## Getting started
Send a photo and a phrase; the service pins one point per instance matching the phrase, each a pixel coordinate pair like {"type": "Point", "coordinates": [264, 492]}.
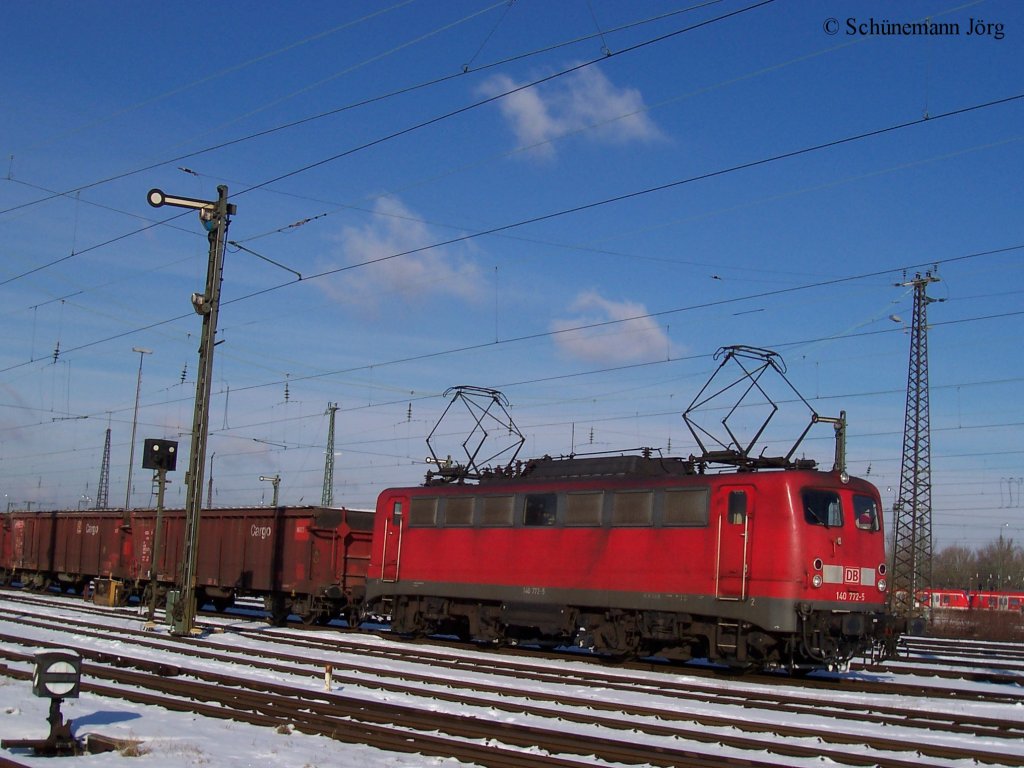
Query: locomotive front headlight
{"type": "Point", "coordinates": [882, 569]}
{"type": "Point", "coordinates": [817, 564]}
{"type": "Point", "coordinates": [816, 580]}
{"type": "Point", "coordinates": [881, 585]}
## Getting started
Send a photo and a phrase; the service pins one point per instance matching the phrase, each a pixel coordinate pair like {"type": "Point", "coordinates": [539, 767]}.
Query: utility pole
{"type": "Point", "coordinates": [912, 513]}
{"type": "Point", "coordinates": [125, 522]}
{"type": "Point", "coordinates": [327, 499]}
{"type": "Point", "coordinates": [215, 216]}
{"type": "Point", "coordinates": [103, 487]}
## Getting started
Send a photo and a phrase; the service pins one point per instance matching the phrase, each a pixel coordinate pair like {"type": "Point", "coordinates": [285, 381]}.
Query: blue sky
{"type": "Point", "coordinates": [577, 203]}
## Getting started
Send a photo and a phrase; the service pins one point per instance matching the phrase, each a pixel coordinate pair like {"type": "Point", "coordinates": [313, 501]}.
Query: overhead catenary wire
{"type": "Point", "coordinates": [348, 107]}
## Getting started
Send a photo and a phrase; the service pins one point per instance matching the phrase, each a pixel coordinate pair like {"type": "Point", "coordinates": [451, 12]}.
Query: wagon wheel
{"type": "Point", "coordinates": [221, 604]}
{"type": "Point", "coordinates": [161, 596]}
{"type": "Point", "coordinates": [278, 611]}
{"type": "Point", "coordinates": [40, 583]}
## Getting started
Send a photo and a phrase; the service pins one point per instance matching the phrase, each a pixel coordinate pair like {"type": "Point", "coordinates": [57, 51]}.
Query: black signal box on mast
{"type": "Point", "coordinates": [160, 454]}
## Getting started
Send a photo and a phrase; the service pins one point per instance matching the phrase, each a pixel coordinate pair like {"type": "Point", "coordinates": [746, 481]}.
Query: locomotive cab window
{"type": "Point", "coordinates": [737, 507]}
{"type": "Point", "coordinates": [865, 512]}
{"type": "Point", "coordinates": [539, 509]}
{"type": "Point", "coordinates": [822, 508]}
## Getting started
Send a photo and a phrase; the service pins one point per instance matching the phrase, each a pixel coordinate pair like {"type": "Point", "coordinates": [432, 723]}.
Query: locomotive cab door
{"type": "Point", "coordinates": [391, 548]}
{"type": "Point", "coordinates": [733, 506]}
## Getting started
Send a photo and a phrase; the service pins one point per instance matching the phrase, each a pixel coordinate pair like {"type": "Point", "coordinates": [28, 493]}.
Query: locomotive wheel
{"type": "Point", "coordinates": [739, 668]}
{"type": "Point", "coordinates": [318, 618]}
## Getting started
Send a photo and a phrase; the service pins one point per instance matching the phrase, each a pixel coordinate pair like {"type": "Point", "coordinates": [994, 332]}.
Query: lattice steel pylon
{"type": "Point", "coordinates": [103, 487]}
{"type": "Point", "coordinates": [327, 499]}
{"type": "Point", "coordinates": [912, 513]}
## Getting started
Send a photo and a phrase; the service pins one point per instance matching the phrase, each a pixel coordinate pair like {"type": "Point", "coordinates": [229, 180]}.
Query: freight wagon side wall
{"type": "Point", "coordinates": [34, 541]}
{"type": "Point", "coordinates": [91, 544]}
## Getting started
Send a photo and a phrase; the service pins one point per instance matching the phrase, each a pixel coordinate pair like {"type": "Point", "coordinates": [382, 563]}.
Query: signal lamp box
{"type": "Point", "coordinates": [57, 675]}
{"type": "Point", "coordinates": [160, 454]}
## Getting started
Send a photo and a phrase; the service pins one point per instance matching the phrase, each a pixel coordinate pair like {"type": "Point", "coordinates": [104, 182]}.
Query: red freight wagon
{"type": "Point", "coordinates": [28, 550]}
{"type": "Point", "coordinates": [310, 561]}
{"type": "Point", "coordinates": [89, 545]}
{"type": "Point", "coordinates": [635, 555]}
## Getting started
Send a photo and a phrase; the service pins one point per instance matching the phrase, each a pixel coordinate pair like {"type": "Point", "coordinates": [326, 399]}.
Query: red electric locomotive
{"type": "Point", "coordinates": [774, 564]}
{"type": "Point", "coordinates": [638, 556]}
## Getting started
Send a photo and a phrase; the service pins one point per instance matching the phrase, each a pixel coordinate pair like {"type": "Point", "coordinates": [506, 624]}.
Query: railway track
{"type": "Point", "coordinates": [743, 717]}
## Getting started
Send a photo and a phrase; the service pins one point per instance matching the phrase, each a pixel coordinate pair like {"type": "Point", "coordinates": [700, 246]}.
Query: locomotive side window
{"type": "Point", "coordinates": [865, 512]}
{"type": "Point", "coordinates": [737, 507]}
{"type": "Point", "coordinates": [686, 506]}
{"type": "Point", "coordinates": [584, 508]}
{"type": "Point", "coordinates": [822, 508]}
{"type": "Point", "coordinates": [497, 511]}
{"type": "Point", "coordinates": [632, 508]}
{"type": "Point", "coordinates": [458, 511]}
{"type": "Point", "coordinates": [423, 512]}
{"type": "Point", "coordinates": [540, 509]}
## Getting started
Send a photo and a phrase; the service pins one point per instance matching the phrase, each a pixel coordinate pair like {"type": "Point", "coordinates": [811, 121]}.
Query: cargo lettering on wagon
{"type": "Point", "coordinates": [260, 531]}
{"type": "Point", "coordinates": [91, 529]}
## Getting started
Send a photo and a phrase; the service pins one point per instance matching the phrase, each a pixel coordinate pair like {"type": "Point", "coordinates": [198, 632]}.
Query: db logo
{"type": "Point", "coordinates": [851, 575]}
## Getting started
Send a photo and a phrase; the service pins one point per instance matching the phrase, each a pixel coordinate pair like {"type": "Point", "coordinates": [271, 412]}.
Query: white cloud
{"type": "Point", "coordinates": [443, 271]}
{"type": "Point", "coordinates": [635, 338]}
{"type": "Point", "coordinates": [585, 101]}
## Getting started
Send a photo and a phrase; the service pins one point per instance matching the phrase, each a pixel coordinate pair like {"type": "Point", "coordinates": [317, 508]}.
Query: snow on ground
{"type": "Point", "coordinates": [180, 739]}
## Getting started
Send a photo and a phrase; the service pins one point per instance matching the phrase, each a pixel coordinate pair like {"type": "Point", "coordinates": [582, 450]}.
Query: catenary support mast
{"type": "Point", "coordinates": [103, 487]}
{"type": "Point", "coordinates": [327, 499]}
{"type": "Point", "coordinates": [912, 514]}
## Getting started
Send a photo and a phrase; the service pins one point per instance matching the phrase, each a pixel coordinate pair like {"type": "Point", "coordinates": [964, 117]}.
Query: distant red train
{"type": "Point", "coordinates": [306, 561]}
{"type": "Point", "coordinates": [638, 555]}
{"type": "Point", "coordinates": [973, 600]}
